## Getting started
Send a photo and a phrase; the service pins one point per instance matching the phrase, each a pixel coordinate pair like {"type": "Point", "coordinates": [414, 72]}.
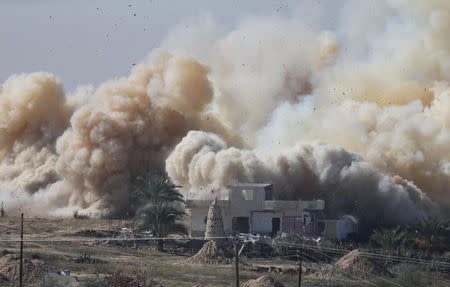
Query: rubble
{"type": "Point", "coordinates": [354, 266]}
{"type": "Point", "coordinates": [263, 281]}
{"type": "Point", "coordinates": [33, 270]}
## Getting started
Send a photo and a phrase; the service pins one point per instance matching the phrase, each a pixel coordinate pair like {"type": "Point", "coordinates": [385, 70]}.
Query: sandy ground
{"type": "Point", "coordinates": [92, 261]}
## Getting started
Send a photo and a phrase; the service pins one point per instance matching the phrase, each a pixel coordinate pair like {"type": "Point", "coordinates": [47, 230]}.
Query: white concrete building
{"type": "Point", "coordinates": [250, 208]}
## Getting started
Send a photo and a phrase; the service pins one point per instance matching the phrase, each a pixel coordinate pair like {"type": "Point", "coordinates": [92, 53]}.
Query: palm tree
{"type": "Point", "coordinates": [389, 238]}
{"type": "Point", "coordinates": [160, 213]}
{"type": "Point", "coordinates": [157, 189]}
{"type": "Point", "coordinates": [429, 235]}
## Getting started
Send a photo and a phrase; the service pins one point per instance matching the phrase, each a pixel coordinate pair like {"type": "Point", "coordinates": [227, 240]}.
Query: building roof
{"type": "Point", "coordinates": [246, 184]}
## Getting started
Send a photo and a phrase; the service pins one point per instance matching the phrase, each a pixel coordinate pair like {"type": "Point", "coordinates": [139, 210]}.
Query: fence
{"type": "Point", "coordinates": [103, 252]}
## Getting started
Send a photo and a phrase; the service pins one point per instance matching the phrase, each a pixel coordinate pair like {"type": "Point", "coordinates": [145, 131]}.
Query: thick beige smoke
{"type": "Point", "coordinates": [359, 116]}
{"type": "Point", "coordinates": [34, 113]}
{"type": "Point", "coordinates": [307, 171]}
{"type": "Point", "coordinates": [127, 128]}
{"type": "Point", "coordinates": [391, 105]}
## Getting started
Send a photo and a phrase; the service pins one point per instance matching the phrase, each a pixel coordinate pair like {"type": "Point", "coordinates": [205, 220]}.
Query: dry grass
{"type": "Point", "coordinates": [165, 268]}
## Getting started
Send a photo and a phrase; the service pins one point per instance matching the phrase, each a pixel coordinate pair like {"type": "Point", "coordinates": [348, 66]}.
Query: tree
{"type": "Point", "coordinates": [160, 213]}
{"type": "Point", "coordinates": [389, 238]}
{"type": "Point", "coordinates": [429, 235]}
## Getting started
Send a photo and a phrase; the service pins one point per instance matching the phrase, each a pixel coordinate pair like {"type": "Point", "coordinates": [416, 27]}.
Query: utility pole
{"type": "Point", "coordinates": [299, 255]}
{"type": "Point", "coordinates": [236, 263]}
{"type": "Point", "coordinates": [21, 251]}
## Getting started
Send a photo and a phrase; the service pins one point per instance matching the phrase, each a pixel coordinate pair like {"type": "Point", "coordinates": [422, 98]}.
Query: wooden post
{"type": "Point", "coordinates": [236, 263]}
{"type": "Point", "coordinates": [299, 252]}
{"type": "Point", "coordinates": [21, 251]}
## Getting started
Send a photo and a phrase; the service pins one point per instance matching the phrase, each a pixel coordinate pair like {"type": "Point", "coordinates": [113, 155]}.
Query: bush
{"type": "Point", "coordinates": [417, 275]}
{"type": "Point", "coordinates": [119, 280]}
{"type": "Point", "coordinates": [76, 215]}
{"type": "Point", "coordinates": [2, 211]}
{"type": "Point", "coordinates": [95, 283]}
{"type": "Point", "coordinates": [86, 258]}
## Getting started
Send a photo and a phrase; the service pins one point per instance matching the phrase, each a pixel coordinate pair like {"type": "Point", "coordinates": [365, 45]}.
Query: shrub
{"type": "Point", "coordinates": [118, 280]}
{"type": "Point", "coordinates": [76, 215]}
{"type": "Point", "coordinates": [2, 211]}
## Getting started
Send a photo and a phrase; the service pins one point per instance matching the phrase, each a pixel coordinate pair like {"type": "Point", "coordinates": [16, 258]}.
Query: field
{"type": "Point", "coordinates": [92, 261]}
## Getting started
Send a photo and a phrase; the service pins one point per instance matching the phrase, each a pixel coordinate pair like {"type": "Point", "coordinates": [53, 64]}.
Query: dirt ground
{"type": "Point", "coordinates": [92, 261]}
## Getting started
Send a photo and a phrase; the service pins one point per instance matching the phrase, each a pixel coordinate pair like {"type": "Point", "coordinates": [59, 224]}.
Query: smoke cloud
{"type": "Point", "coordinates": [356, 114]}
{"type": "Point", "coordinates": [306, 170]}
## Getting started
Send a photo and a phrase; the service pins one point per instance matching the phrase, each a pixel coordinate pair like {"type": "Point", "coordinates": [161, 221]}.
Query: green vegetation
{"type": "Point", "coordinates": [429, 235]}
{"type": "Point", "coordinates": [2, 211]}
{"type": "Point", "coordinates": [389, 238]}
{"type": "Point", "coordinates": [425, 236]}
{"type": "Point", "coordinates": [160, 213]}
{"type": "Point", "coordinates": [76, 215]}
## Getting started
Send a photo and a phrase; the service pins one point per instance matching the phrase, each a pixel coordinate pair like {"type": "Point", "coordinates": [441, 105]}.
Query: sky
{"type": "Point", "coordinates": [89, 41]}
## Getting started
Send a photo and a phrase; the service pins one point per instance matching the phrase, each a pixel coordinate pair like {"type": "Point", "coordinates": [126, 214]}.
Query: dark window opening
{"type": "Point", "coordinates": [320, 227]}
{"type": "Point", "coordinates": [240, 224]}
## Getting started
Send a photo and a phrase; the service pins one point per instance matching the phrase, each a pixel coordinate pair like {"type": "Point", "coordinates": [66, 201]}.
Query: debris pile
{"type": "Point", "coordinates": [280, 269]}
{"type": "Point", "coordinates": [263, 281]}
{"type": "Point", "coordinates": [95, 233]}
{"type": "Point", "coordinates": [354, 266]}
{"type": "Point", "coordinates": [33, 270]}
{"type": "Point", "coordinates": [213, 251]}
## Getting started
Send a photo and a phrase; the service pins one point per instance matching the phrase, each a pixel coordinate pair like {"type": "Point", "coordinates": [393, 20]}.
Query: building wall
{"type": "Point", "coordinates": [261, 221]}
{"type": "Point", "coordinates": [254, 202]}
{"type": "Point", "coordinates": [339, 229]}
{"type": "Point", "coordinates": [296, 224]}
{"type": "Point", "coordinates": [198, 225]}
{"type": "Point", "coordinates": [330, 229]}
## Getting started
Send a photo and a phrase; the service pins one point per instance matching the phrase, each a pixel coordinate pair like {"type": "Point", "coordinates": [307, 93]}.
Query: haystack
{"type": "Point", "coordinates": [355, 264]}
{"type": "Point", "coordinates": [213, 251]}
{"type": "Point", "coordinates": [214, 223]}
{"type": "Point", "coordinates": [263, 281]}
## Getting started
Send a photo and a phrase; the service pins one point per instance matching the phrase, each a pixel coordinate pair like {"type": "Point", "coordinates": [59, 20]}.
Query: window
{"type": "Point", "coordinates": [240, 224]}
{"type": "Point", "coordinates": [248, 194]}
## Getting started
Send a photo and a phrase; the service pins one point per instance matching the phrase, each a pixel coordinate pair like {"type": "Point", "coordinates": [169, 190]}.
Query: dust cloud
{"type": "Point", "coordinates": [358, 115]}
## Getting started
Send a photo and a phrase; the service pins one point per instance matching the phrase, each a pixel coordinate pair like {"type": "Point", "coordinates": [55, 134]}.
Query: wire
{"type": "Point", "coordinates": [342, 271]}
{"type": "Point", "coordinates": [298, 245]}
{"type": "Point", "coordinates": [369, 255]}
{"type": "Point", "coordinates": [334, 259]}
{"type": "Point", "coordinates": [84, 239]}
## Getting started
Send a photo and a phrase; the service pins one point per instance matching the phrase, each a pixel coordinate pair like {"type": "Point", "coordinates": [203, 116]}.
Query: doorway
{"type": "Point", "coordinates": [276, 222]}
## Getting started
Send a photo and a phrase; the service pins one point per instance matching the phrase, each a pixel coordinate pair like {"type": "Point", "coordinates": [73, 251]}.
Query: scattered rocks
{"type": "Point", "coordinates": [263, 281]}
{"type": "Point", "coordinates": [95, 233]}
{"type": "Point", "coordinates": [55, 279]}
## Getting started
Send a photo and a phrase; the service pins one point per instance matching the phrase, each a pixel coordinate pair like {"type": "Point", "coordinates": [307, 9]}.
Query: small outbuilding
{"type": "Point", "coordinates": [338, 229]}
